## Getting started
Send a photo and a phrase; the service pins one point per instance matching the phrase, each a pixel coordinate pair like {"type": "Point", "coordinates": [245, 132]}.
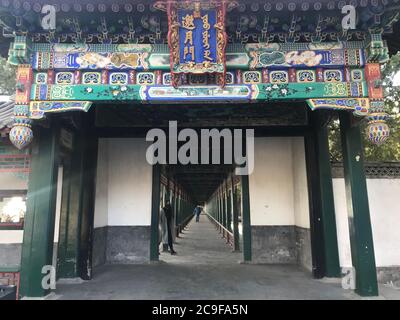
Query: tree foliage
{"type": "Point", "coordinates": [390, 150]}
{"type": "Point", "coordinates": [7, 77]}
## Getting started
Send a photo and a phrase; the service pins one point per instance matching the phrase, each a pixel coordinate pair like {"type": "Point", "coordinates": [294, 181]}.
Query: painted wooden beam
{"type": "Point", "coordinates": [157, 57]}
{"type": "Point", "coordinates": [80, 93]}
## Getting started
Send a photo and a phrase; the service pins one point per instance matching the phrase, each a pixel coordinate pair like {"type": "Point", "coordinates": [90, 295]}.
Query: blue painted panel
{"type": "Point", "coordinates": [198, 36]}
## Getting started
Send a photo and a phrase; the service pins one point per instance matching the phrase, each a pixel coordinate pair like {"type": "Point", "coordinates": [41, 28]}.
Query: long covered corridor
{"type": "Point", "coordinates": [201, 244]}
{"type": "Point", "coordinates": [205, 268]}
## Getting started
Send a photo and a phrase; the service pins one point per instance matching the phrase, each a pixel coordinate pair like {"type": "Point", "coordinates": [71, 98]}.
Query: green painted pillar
{"type": "Point", "coordinates": [90, 152]}
{"type": "Point", "coordinates": [178, 209]}
{"type": "Point", "coordinates": [247, 255]}
{"type": "Point", "coordinates": [362, 245]}
{"type": "Point", "coordinates": [235, 211]}
{"type": "Point", "coordinates": [178, 214]}
{"type": "Point", "coordinates": [175, 208]}
{"type": "Point", "coordinates": [37, 247]}
{"type": "Point", "coordinates": [211, 208]}
{"type": "Point", "coordinates": [155, 209]}
{"type": "Point", "coordinates": [218, 204]}
{"type": "Point", "coordinates": [221, 211]}
{"type": "Point", "coordinates": [184, 212]}
{"type": "Point", "coordinates": [215, 208]}
{"type": "Point", "coordinates": [331, 251]}
{"type": "Point", "coordinates": [173, 204]}
{"type": "Point", "coordinates": [228, 208]}
{"type": "Point", "coordinates": [223, 205]}
{"type": "Point", "coordinates": [314, 199]}
{"type": "Point", "coordinates": [226, 211]}
{"type": "Point", "coordinates": [167, 191]}
{"type": "Point", "coordinates": [71, 211]}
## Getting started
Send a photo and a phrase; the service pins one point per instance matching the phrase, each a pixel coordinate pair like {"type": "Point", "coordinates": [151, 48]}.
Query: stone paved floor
{"type": "Point", "coordinates": [205, 268]}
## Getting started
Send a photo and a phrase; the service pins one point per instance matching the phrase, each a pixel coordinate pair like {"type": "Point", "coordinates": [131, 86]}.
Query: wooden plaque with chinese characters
{"type": "Point", "coordinates": [197, 39]}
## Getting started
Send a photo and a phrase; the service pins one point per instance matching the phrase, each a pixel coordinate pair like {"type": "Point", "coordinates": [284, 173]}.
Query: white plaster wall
{"type": "Point", "coordinates": [16, 236]}
{"type": "Point", "coordinates": [11, 236]}
{"type": "Point", "coordinates": [385, 220]}
{"type": "Point", "coordinates": [120, 200]}
{"type": "Point", "coordinates": [101, 200]}
{"type": "Point", "coordinates": [129, 183]}
{"type": "Point", "coordinates": [271, 182]}
{"type": "Point", "coordinates": [300, 187]}
{"type": "Point", "coordinates": [342, 226]}
{"type": "Point", "coordinates": [58, 203]}
{"type": "Point", "coordinates": [10, 181]}
{"type": "Point", "coordinates": [384, 206]}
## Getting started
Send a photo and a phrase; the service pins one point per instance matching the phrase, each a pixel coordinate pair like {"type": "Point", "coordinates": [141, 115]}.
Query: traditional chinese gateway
{"type": "Point", "coordinates": [89, 90]}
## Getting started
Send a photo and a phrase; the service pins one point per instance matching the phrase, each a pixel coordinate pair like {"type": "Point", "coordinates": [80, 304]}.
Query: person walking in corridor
{"type": "Point", "coordinates": [169, 215]}
{"type": "Point", "coordinates": [197, 212]}
{"type": "Point", "coordinates": [163, 231]}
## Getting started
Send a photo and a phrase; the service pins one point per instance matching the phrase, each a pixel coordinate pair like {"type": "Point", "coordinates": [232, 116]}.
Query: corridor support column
{"type": "Point", "coordinates": [228, 207]}
{"type": "Point", "coordinates": [37, 247]}
{"type": "Point", "coordinates": [219, 210]}
{"type": "Point", "coordinates": [155, 210]}
{"type": "Point", "coordinates": [223, 204]}
{"type": "Point", "coordinates": [330, 243]}
{"type": "Point", "coordinates": [247, 254]}
{"type": "Point", "coordinates": [324, 245]}
{"type": "Point", "coordinates": [236, 246]}
{"type": "Point", "coordinates": [361, 241]}
{"type": "Point", "coordinates": [70, 211]}
{"type": "Point", "coordinates": [90, 152]}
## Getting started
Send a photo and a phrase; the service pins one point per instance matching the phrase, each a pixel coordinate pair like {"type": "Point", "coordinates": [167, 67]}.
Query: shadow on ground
{"type": "Point", "coordinates": [205, 268]}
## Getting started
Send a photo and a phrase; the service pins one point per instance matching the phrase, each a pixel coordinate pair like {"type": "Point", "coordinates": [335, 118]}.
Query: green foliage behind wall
{"type": "Point", "coordinates": [7, 77]}
{"type": "Point", "coordinates": [390, 150]}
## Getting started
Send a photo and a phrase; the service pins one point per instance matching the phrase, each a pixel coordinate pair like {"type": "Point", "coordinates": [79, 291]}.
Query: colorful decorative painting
{"type": "Point", "coordinates": [359, 106]}
{"type": "Point", "coordinates": [148, 93]}
{"type": "Point", "coordinates": [158, 57]}
{"type": "Point", "coordinates": [38, 109]}
{"type": "Point", "coordinates": [66, 77]}
{"type": "Point", "coordinates": [91, 60]}
{"type": "Point", "coordinates": [270, 56]}
{"type": "Point", "coordinates": [198, 93]}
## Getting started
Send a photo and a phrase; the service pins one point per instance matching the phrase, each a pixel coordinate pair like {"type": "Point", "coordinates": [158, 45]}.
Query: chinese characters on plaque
{"type": "Point", "coordinates": [197, 37]}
